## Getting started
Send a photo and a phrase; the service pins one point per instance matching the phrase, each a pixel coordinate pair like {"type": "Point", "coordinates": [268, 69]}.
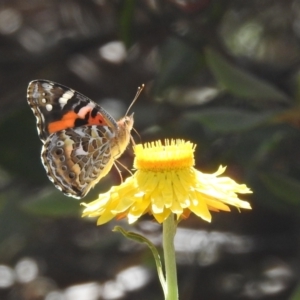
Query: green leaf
{"type": "Point", "coordinates": [126, 19]}
{"type": "Point", "coordinates": [241, 83]}
{"type": "Point", "coordinates": [20, 149]}
{"type": "Point", "coordinates": [296, 293]}
{"type": "Point", "coordinates": [141, 239]}
{"type": "Point", "coordinates": [178, 63]}
{"type": "Point", "coordinates": [229, 120]}
{"type": "Point", "coordinates": [284, 187]}
{"type": "Point", "coordinates": [52, 204]}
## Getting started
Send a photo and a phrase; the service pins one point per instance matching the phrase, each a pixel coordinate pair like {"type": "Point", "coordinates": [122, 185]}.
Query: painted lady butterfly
{"type": "Point", "coordinates": [81, 140]}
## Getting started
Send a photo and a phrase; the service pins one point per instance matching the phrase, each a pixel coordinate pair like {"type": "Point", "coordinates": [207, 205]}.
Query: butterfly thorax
{"type": "Point", "coordinates": [122, 139]}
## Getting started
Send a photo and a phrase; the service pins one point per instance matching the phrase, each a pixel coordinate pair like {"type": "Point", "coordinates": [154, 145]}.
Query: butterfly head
{"type": "Point", "coordinates": [126, 125]}
{"type": "Point", "coordinates": [128, 122]}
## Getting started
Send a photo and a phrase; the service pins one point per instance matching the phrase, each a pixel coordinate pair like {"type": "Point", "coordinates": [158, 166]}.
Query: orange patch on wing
{"type": "Point", "coordinates": [97, 120]}
{"type": "Point", "coordinates": [67, 121]}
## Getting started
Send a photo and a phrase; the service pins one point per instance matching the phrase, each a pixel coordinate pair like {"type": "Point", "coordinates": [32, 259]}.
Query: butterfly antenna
{"type": "Point", "coordinates": [139, 90]}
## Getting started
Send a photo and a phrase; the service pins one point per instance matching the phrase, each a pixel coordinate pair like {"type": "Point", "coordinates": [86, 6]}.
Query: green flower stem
{"type": "Point", "coordinates": [169, 230]}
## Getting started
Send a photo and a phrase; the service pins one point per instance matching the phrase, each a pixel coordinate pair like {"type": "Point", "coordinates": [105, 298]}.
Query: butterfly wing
{"type": "Point", "coordinates": [57, 107]}
{"type": "Point", "coordinates": [81, 140]}
{"type": "Point", "coordinates": [76, 159]}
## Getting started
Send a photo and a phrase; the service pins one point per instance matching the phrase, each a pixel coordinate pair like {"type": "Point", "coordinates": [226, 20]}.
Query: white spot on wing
{"type": "Point", "coordinates": [49, 107]}
{"type": "Point", "coordinates": [80, 151]}
{"type": "Point", "coordinates": [84, 110]}
{"type": "Point", "coordinates": [47, 86]}
{"type": "Point", "coordinates": [35, 92]}
{"type": "Point", "coordinates": [63, 100]}
{"type": "Point", "coordinates": [79, 131]}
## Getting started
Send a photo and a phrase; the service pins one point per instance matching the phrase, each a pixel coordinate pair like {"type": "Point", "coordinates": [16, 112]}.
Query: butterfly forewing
{"type": "Point", "coordinates": [58, 107]}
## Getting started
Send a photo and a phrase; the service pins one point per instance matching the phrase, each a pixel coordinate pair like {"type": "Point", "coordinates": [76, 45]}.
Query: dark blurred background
{"type": "Point", "coordinates": [223, 74]}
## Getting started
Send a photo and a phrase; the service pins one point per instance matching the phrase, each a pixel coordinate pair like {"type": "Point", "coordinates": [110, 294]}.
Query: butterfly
{"type": "Point", "coordinates": [81, 140]}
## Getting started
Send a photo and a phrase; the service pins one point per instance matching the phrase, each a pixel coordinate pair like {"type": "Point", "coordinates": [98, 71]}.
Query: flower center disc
{"type": "Point", "coordinates": [155, 157]}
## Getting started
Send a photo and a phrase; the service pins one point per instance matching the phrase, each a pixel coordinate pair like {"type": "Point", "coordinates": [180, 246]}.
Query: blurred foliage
{"type": "Point", "coordinates": [223, 74]}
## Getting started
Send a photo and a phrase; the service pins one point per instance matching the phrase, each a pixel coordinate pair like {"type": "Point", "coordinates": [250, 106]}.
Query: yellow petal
{"type": "Point", "coordinates": [199, 207]}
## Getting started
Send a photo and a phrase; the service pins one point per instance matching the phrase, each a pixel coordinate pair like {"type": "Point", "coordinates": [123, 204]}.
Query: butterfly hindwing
{"type": "Point", "coordinates": [76, 159]}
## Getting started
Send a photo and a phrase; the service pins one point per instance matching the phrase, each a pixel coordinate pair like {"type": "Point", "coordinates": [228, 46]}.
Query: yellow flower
{"type": "Point", "coordinates": [166, 182]}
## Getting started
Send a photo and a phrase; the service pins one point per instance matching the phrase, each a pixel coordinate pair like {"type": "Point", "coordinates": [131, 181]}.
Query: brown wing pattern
{"type": "Point", "coordinates": [76, 159]}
